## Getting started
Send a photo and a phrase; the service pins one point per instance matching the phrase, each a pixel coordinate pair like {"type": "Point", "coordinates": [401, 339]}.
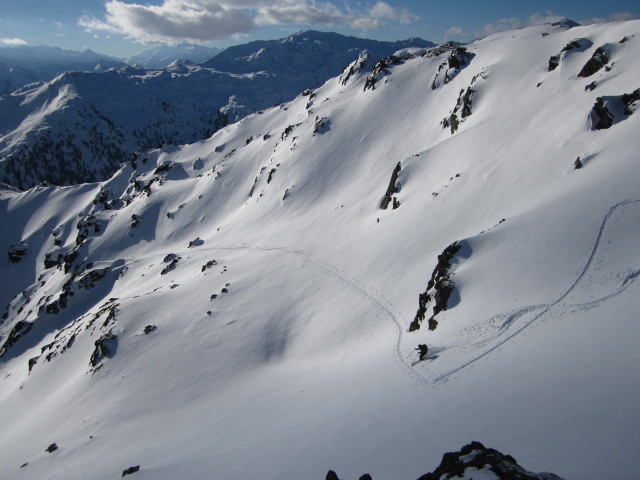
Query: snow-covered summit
{"type": "Point", "coordinates": [250, 305]}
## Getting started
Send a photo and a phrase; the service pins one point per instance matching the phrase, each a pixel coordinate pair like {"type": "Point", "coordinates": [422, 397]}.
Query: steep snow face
{"type": "Point", "coordinates": [241, 305]}
{"type": "Point", "coordinates": [119, 112]}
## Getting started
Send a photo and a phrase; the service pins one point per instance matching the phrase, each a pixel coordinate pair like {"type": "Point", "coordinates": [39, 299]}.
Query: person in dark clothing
{"type": "Point", "coordinates": [423, 349]}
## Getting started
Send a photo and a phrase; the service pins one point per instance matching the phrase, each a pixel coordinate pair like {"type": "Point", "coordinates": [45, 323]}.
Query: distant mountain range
{"type": "Point", "coordinates": [80, 126]}
{"type": "Point", "coordinates": [165, 55]}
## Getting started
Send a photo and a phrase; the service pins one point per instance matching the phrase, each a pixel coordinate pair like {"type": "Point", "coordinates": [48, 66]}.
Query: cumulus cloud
{"type": "Point", "coordinates": [203, 21]}
{"type": "Point", "coordinates": [382, 10]}
{"type": "Point", "coordinates": [301, 14]}
{"type": "Point", "coordinates": [512, 23]}
{"type": "Point", "coordinates": [616, 17]}
{"type": "Point", "coordinates": [454, 32]}
{"type": "Point", "coordinates": [172, 22]}
{"type": "Point", "coordinates": [13, 41]}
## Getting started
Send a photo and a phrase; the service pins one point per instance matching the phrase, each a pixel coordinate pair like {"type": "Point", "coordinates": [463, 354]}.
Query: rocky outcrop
{"type": "Point", "coordinates": [601, 117]}
{"type": "Point", "coordinates": [394, 187]}
{"type": "Point", "coordinates": [459, 58]}
{"type": "Point", "coordinates": [439, 288]}
{"type": "Point", "coordinates": [380, 70]}
{"type": "Point", "coordinates": [20, 329]}
{"type": "Point", "coordinates": [105, 347]}
{"type": "Point", "coordinates": [598, 60]}
{"type": "Point", "coordinates": [475, 460]}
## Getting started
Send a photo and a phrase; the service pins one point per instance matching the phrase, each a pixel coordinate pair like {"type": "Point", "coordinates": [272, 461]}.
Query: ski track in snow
{"type": "Point", "coordinates": [515, 314]}
{"type": "Point", "coordinates": [509, 317]}
{"type": "Point", "coordinates": [352, 284]}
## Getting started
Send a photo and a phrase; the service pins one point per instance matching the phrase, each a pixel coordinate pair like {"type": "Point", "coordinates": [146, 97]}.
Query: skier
{"type": "Point", "coordinates": [423, 349]}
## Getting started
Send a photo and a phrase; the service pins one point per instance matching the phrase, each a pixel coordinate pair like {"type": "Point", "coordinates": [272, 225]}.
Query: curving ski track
{"type": "Point", "coordinates": [546, 308]}
{"type": "Point", "coordinates": [511, 316]}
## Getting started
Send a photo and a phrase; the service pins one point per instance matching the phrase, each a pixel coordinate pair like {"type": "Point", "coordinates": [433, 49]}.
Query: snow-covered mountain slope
{"type": "Point", "coordinates": [164, 55]}
{"type": "Point", "coordinates": [80, 126]}
{"type": "Point", "coordinates": [241, 307]}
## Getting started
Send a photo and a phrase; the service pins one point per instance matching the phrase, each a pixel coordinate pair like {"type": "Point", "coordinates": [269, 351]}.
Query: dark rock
{"type": "Point", "coordinates": [566, 22]}
{"type": "Point", "coordinates": [629, 99]}
{"type": "Point", "coordinates": [51, 448]}
{"type": "Point", "coordinates": [19, 330]}
{"type": "Point", "coordinates": [321, 125]}
{"type": "Point", "coordinates": [441, 285]}
{"type": "Point", "coordinates": [380, 69]}
{"type": "Point", "coordinates": [209, 264]}
{"type": "Point", "coordinates": [590, 87]}
{"type": "Point", "coordinates": [130, 470]}
{"type": "Point", "coordinates": [331, 475]}
{"type": "Point", "coordinates": [474, 457]}
{"type": "Point", "coordinates": [172, 259]}
{"type": "Point", "coordinates": [196, 242]}
{"type": "Point", "coordinates": [601, 117]}
{"type": "Point", "coordinates": [135, 220]}
{"type": "Point", "coordinates": [17, 251]}
{"type": "Point", "coordinates": [88, 280]}
{"type": "Point", "coordinates": [163, 167]}
{"type": "Point", "coordinates": [577, 164]}
{"type": "Point", "coordinates": [366, 476]}
{"type": "Point", "coordinates": [392, 188]}
{"type": "Point", "coordinates": [554, 61]}
{"type": "Point", "coordinates": [53, 259]}
{"type": "Point", "coordinates": [105, 346]}
{"type": "Point", "coordinates": [572, 45]}
{"type": "Point", "coordinates": [595, 63]}
{"type": "Point", "coordinates": [32, 362]}
{"type": "Point", "coordinates": [148, 329]}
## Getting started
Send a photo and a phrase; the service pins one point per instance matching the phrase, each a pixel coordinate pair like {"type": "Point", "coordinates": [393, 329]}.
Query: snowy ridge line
{"type": "Point", "coordinates": [520, 312]}
{"type": "Point", "coordinates": [350, 283]}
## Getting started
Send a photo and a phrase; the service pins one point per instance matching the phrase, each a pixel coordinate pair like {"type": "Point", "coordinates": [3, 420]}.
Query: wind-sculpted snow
{"type": "Point", "coordinates": [209, 299]}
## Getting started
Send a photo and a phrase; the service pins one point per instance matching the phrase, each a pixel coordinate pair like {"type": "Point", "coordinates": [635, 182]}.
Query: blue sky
{"type": "Point", "coordinates": [125, 27]}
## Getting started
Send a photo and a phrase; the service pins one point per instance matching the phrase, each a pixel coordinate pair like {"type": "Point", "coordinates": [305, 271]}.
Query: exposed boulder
{"type": "Point", "coordinates": [393, 187]}
{"type": "Point", "coordinates": [601, 117]}
{"type": "Point", "coordinates": [598, 60]}
{"type": "Point", "coordinates": [171, 260]}
{"type": "Point", "coordinates": [17, 251]}
{"type": "Point", "coordinates": [51, 448]}
{"type": "Point", "coordinates": [131, 470]}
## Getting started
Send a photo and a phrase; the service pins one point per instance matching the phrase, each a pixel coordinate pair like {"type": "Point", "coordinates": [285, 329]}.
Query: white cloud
{"type": "Point", "coordinates": [504, 24]}
{"type": "Point", "coordinates": [203, 21]}
{"type": "Point", "coordinates": [383, 10]}
{"type": "Point", "coordinates": [616, 17]}
{"type": "Point", "coordinates": [13, 41]}
{"type": "Point", "coordinates": [499, 26]}
{"type": "Point", "coordinates": [455, 32]}
{"type": "Point", "coordinates": [301, 14]}
{"type": "Point", "coordinates": [172, 22]}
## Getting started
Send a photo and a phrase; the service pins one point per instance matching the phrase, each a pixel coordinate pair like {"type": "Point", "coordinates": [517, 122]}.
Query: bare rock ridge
{"type": "Point", "coordinates": [439, 288]}
{"type": "Point", "coordinates": [474, 461]}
